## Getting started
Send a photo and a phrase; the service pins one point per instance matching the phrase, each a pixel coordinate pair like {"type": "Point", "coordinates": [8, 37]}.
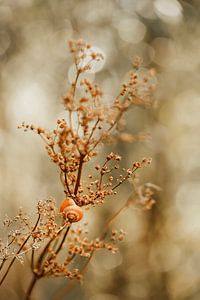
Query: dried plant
{"type": "Point", "coordinates": [51, 242]}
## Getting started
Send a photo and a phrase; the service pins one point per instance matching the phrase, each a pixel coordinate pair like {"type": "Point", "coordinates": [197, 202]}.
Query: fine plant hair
{"type": "Point", "coordinates": [58, 233]}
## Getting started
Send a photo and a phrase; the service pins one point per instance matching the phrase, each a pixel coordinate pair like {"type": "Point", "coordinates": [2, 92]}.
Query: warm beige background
{"type": "Point", "coordinates": [160, 258]}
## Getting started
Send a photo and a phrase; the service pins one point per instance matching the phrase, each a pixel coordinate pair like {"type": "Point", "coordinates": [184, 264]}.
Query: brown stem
{"type": "Point", "coordinates": [66, 181]}
{"type": "Point", "coordinates": [102, 174]}
{"type": "Point", "coordinates": [63, 240]}
{"type": "Point", "coordinates": [22, 246]}
{"type": "Point", "coordinates": [73, 94]}
{"type": "Point", "coordinates": [31, 286]}
{"type": "Point", "coordinates": [60, 294]}
{"type": "Point", "coordinates": [75, 82]}
{"type": "Point", "coordinates": [58, 249]}
{"type": "Point", "coordinates": [109, 221]}
{"type": "Point", "coordinates": [79, 174]}
{"type": "Point", "coordinates": [32, 259]}
{"type": "Point", "coordinates": [45, 250]}
{"type": "Point", "coordinates": [3, 262]}
{"type": "Point", "coordinates": [118, 117]}
{"type": "Point", "coordinates": [93, 130]}
{"type": "Point", "coordinates": [124, 179]}
{"type": "Point", "coordinates": [40, 259]}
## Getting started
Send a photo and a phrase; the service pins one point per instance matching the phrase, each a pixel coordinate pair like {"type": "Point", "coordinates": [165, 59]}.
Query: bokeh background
{"type": "Point", "coordinates": [160, 257]}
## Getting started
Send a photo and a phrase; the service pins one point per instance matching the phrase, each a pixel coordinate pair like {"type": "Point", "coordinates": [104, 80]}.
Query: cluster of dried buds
{"type": "Point", "coordinates": [71, 146]}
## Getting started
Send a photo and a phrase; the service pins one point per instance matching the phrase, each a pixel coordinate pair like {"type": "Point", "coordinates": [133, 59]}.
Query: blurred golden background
{"type": "Point", "coordinates": [160, 257]}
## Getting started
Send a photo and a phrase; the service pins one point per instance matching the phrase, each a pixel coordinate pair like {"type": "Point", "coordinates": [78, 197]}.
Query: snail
{"type": "Point", "coordinates": [65, 203]}
{"type": "Point", "coordinates": [71, 211]}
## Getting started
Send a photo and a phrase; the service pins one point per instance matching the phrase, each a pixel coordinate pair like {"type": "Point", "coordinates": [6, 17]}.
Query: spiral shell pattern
{"type": "Point", "coordinates": [73, 213]}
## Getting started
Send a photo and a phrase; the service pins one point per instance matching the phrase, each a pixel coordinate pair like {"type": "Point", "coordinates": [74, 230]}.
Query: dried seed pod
{"type": "Point", "coordinates": [73, 213]}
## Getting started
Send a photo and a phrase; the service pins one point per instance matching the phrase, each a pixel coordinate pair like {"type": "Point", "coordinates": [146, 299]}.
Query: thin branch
{"type": "Point", "coordinates": [102, 174]}
{"type": "Point", "coordinates": [63, 240]}
{"type": "Point", "coordinates": [108, 130]}
{"type": "Point", "coordinates": [65, 178]}
{"type": "Point", "coordinates": [93, 130]}
{"type": "Point", "coordinates": [79, 174]}
{"type": "Point", "coordinates": [31, 286]}
{"type": "Point", "coordinates": [66, 183]}
{"type": "Point", "coordinates": [42, 255]}
{"type": "Point", "coordinates": [73, 94]}
{"type": "Point", "coordinates": [32, 259]}
{"type": "Point", "coordinates": [124, 179]}
{"type": "Point", "coordinates": [112, 218]}
{"type": "Point", "coordinates": [22, 246]}
{"type": "Point", "coordinates": [3, 262]}
{"type": "Point", "coordinates": [58, 249]}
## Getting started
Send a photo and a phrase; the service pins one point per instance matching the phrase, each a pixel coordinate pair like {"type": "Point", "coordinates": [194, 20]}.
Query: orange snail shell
{"type": "Point", "coordinates": [71, 211]}
{"type": "Point", "coordinates": [65, 203]}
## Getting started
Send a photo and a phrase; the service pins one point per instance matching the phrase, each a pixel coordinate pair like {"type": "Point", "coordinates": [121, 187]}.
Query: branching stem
{"type": "Point", "coordinates": [20, 249]}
